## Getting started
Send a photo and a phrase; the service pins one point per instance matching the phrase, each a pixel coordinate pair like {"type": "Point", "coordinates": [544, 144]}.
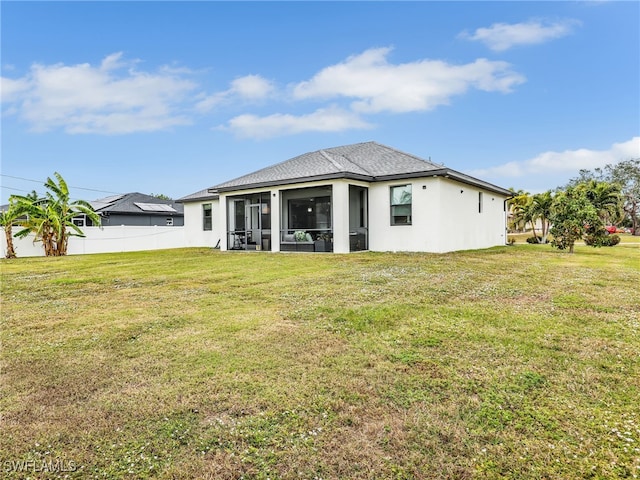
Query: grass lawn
{"type": "Point", "coordinates": [516, 362]}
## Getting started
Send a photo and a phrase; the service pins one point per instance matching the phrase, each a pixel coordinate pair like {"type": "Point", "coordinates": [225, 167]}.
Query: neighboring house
{"type": "Point", "coordinates": [365, 196]}
{"type": "Point", "coordinates": [129, 222]}
{"type": "Point", "coordinates": [136, 209]}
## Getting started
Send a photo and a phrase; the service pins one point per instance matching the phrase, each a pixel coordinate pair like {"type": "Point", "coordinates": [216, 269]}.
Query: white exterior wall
{"type": "Point", "coordinates": [194, 234]}
{"type": "Point", "coordinates": [275, 220]}
{"type": "Point", "coordinates": [124, 238]}
{"type": "Point", "coordinates": [340, 216]}
{"type": "Point", "coordinates": [443, 219]}
{"type": "Point", "coordinates": [421, 235]}
{"type": "Point", "coordinates": [462, 226]}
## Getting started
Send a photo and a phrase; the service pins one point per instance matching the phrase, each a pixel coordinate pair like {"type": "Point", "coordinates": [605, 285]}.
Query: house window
{"type": "Point", "coordinates": [169, 222]}
{"type": "Point", "coordinates": [79, 221]}
{"type": "Point", "coordinates": [310, 213]}
{"type": "Point", "coordinates": [401, 205]}
{"type": "Point", "coordinates": [479, 202]}
{"type": "Point", "coordinates": [207, 223]}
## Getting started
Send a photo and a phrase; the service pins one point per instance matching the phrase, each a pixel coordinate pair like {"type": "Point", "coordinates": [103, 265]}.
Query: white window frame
{"type": "Point", "coordinates": [409, 217]}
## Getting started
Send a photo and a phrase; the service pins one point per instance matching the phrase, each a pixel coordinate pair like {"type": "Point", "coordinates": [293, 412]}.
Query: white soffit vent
{"type": "Point", "coordinates": [154, 207]}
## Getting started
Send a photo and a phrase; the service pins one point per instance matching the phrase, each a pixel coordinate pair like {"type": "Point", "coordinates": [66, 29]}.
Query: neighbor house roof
{"type": "Point", "coordinates": [137, 204]}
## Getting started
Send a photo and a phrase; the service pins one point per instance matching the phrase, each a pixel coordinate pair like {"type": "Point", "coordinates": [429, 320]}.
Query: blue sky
{"type": "Point", "coordinates": [174, 97]}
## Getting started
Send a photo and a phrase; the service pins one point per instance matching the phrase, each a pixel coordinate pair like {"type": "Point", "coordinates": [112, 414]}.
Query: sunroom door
{"type": "Point", "coordinates": [253, 222]}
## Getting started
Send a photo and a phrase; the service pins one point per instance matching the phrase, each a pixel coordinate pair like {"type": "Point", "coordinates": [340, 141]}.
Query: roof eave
{"type": "Point", "coordinates": [476, 182]}
{"type": "Point", "coordinates": [442, 172]}
{"type": "Point", "coordinates": [447, 173]}
{"type": "Point", "coordinates": [197, 199]}
{"type": "Point", "coordinates": [293, 181]}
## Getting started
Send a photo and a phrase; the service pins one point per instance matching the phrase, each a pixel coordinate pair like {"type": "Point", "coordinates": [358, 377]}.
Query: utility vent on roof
{"type": "Point", "coordinates": [154, 207]}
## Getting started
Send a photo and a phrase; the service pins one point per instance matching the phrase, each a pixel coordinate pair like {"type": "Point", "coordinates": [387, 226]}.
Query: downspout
{"type": "Point", "coordinates": [506, 212]}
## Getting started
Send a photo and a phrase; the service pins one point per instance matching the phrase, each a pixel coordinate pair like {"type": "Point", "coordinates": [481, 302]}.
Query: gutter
{"type": "Point", "coordinates": [441, 172]}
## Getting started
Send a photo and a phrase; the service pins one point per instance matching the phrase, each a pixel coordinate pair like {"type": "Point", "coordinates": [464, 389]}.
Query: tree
{"type": "Point", "coordinates": [7, 220]}
{"type": "Point", "coordinates": [525, 214]}
{"type": "Point", "coordinates": [161, 196]}
{"type": "Point", "coordinates": [516, 203]}
{"type": "Point", "coordinates": [606, 199]}
{"type": "Point", "coordinates": [627, 175]}
{"type": "Point", "coordinates": [540, 207]}
{"type": "Point", "coordinates": [527, 209]}
{"type": "Point", "coordinates": [571, 215]}
{"type": "Point", "coordinates": [50, 218]}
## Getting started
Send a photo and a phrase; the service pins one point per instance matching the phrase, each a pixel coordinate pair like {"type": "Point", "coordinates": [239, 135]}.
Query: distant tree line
{"type": "Point", "coordinates": [582, 208]}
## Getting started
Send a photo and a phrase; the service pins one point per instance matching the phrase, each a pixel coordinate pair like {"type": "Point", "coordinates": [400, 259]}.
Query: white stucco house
{"type": "Point", "coordinates": [365, 196]}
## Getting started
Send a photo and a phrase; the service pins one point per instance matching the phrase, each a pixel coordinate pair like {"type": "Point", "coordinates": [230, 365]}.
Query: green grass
{"type": "Point", "coordinates": [514, 362]}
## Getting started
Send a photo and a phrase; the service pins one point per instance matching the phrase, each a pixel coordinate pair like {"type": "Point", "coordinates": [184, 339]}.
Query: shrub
{"type": "Point", "coordinates": [534, 240]}
{"type": "Point", "coordinates": [601, 241]}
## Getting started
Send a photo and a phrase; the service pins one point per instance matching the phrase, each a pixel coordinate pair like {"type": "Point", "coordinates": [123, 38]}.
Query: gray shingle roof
{"type": "Point", "coordinates": [369, 161]}
{"type": "Point", "coordinates": [365, 161]}
{"type": "Point", "coordinates": [201, 195]}
{"type": "Point", "coordinates": [126, 204]}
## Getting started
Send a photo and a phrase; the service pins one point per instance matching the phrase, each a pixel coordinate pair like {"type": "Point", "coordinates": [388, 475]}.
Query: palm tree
{"type": "Point", "coordinates": [524, 214]}
{"type": "Point", "coordinates": [8, 218]}
{"type": "Point", "coordinates": [50, 218]}
{"type": "Point", "coordinates": [606, 198]}
{"type": "Point", "coordinates": [541, 209]}
{"type": "Point", "coordinates": [518, 201]}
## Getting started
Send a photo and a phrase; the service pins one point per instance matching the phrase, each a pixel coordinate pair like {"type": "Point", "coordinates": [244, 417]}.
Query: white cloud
{"type": "Point", "coordinates": [10, 89]}
{"type": "Point", "coordinates": [503, 36]}
{"type": "Point", "coordinates": [332, 119]}
{"type": "Point", "coordinates": [249, 87]}
{"type": "Point", "coordinates": [105, 99]}
{"type": "Point", "coordinates": [569, 161]}
{"type": "Point", "coordinates": [252, 86]}
{"type": "Point", "coordinates": [377, 85]}
{"type": "Point", "coordinates": [116, 96]}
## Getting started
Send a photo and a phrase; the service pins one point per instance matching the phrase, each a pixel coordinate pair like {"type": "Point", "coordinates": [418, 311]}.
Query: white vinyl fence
{"type": "Point", "coordinates": [106, 240]}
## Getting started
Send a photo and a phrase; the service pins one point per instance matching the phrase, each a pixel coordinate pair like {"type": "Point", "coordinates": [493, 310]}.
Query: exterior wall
{"type": "Point", "coordinates": [115, 219]}
{"type": "Point", "coordinates": [107, 240]}
{"type": "Point", "coordinates": [340, 211]}
{"type": "Point", "coordinates": [462, 226]}
{"type": "Point", "coordinates": [195, 236]}
{"type": "Point", "coordinates": [422, 235]}
{"type": "Point", "coordinates": [443, 218]}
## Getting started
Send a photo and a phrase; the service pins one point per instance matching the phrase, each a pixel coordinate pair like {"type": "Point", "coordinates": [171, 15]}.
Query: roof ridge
{"type": "Point", "coordinates": [439, 165]}
{"type": "Point", "coordinates": [332, 160]}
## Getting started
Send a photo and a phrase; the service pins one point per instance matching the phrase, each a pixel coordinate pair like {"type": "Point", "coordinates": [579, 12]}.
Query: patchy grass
{"type": "Point", "coordinates": [515, 362]}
